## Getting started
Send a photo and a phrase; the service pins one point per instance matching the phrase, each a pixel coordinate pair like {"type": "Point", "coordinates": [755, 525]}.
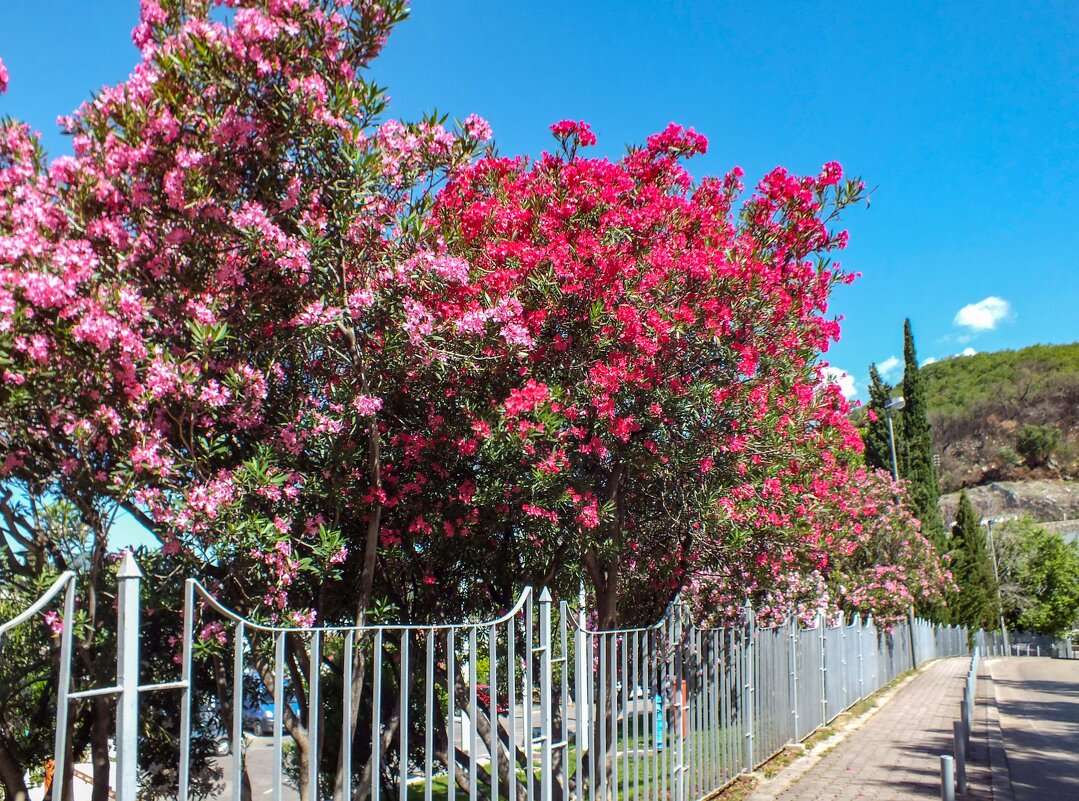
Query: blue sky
{"type": "Point", "coordinates": [965, 120]}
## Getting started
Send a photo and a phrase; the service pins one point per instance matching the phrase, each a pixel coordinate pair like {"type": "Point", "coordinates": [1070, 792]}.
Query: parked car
{"type": "Point", "coordinates": [258, 710]}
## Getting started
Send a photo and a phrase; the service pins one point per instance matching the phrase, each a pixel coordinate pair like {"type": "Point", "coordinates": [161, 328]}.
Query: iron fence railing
{"type": "Point", "coordinates": [1024, 643]}
{"type": "Point", "coordinates": [531, 706]}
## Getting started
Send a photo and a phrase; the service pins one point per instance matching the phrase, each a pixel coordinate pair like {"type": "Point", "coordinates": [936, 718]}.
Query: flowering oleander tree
{"type": "Point", "coordinates": [205, 308]}
{"type": "Point", "coordinates": [656, 405]}
{"type": "Point", "coordinates": [886, 564]}
{"type": "Point", "coordinates": [871, 559]}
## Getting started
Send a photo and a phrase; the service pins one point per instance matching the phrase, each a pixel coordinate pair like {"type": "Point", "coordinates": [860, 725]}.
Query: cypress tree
{"type": "Point", "coordinates": [975, 604]}
{"type": "Point", "coordinates": [917, 454]}
{"type": "Point", "coordinates": [878, 449]}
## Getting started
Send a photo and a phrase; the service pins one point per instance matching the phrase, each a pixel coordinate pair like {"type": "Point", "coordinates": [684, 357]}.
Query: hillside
{"type": "Point", "coordinates": [980, 405]}
{"type": "Point", "coordinates": [1047, 500]}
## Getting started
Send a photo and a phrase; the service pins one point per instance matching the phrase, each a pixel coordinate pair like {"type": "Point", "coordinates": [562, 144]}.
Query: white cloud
{"type": "Point", "coordinates": [983, 315]}
{"type": "Point", "coordinates": [888, 367]}
{"type": "Point", "coordinates": [842, 379]}
{"type": "Point", "coordinates": [930, 360]}
{"type": "Point", "coordinates": [968, 352]}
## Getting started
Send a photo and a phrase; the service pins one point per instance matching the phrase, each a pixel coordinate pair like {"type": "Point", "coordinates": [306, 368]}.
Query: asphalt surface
{"type": "Point", "coordinates": [259, 759]}
{"type": "Point", "coordinates": [1038, 699]}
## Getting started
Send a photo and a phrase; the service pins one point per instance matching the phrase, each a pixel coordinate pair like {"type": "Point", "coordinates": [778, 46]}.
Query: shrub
{"type": "Point", "coordinates": [1009, 457]}
{"type": "Point", "coordinates": [1036, 444]}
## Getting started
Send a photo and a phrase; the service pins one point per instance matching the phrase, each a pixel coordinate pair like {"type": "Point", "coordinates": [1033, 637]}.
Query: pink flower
{"type": "Point", "coordinates": [367, 405]}
{"type": "Point", "coordinates": [567, 129]}
{"type": "Point", "coordinates": [831, 173]}
{"type": "Point", "coordinates": [523, 401]}
{"type": "Point", "coordinates": [3, 77]}
{"type": "Point", "coordinates": [477, 127]}
{"type": "Point", "coordinates": [52, 619]}
{"type": "Point", "coordinates": [213, 631]}
{"type": "Point", "coordinates": [340, 556]}
{"type": "Point", "coordinates": [517, 334]}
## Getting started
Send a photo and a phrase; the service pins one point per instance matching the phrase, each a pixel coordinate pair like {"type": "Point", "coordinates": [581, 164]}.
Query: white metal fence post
{"type": "Point", "coordinates": [947, 777]}
{"type": "Point", "coordinates": [546, 723]}
{"type": "Point", "coordinates": [794, 675]}
{"type": "Point", "coordinates": [185, 699]}
{"type": "Point", "coordinates": [861, 658]}
{"type": "Point", "coordinates": [843, 677]}
{"type": "Point", "coordinates": [678, 707]}
{"type": "Point", "coordinates": [748, 689]}
{"type": "Point", "coordinates": [911, 628]}
{"type": "Point", "coordinates": [127, 679]}
{"type": "Point", "coordinates": [62, 689]}
{"type": "Point", "coordinates": [822, 634]}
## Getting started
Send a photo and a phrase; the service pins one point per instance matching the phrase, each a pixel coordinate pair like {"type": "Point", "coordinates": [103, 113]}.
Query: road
{"type": "Point", "coordinates": [259, 758]}
{"type": "Point", "coordinates": [1038, 700]}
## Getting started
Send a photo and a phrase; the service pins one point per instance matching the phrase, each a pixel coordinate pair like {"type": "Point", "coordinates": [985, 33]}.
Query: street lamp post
{"type": "Point", "coordinates": [897, 404]}
{"type": "Point", "coordinates": [989, 521]}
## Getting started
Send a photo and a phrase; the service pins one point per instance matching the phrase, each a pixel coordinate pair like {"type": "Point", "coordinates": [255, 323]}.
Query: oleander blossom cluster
{"type": "Point", "coordinates": [193, 305]}
{"type": "Point", "coordinates": [878, 564]}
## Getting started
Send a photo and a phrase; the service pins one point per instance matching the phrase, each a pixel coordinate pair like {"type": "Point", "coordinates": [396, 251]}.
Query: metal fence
{"type": "Point", "coordinates": [531, 706]}
{"type": "Point", "coordinates": [1024, 643]}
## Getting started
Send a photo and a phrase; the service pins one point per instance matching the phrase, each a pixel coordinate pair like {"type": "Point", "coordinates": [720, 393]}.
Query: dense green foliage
{"type": "Point", "coordinates": [917, 452]}
{"type": "Point", "coordinates": [975, 603]}
{"type": "Point", "coordinates": [1008, 378]}
{"type": "Point", "coordinates": [1036, 444]}
{"type": "Point", "coordinates": [878, 452]}
{"type": "Point", "coordinates": [980, 405]}
{"type": "Point", "coordinates": [1039, 577]}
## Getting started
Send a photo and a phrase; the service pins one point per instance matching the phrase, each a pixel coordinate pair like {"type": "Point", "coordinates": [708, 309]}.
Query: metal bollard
{"type": "Point", "coordinates": [968, 697]}
{"type": "Point", "coordinates": [947, 778]}
{"type": "Point", "coordinates": [961, 739]}
{"type": "Point", "coordinates": [965, 709]}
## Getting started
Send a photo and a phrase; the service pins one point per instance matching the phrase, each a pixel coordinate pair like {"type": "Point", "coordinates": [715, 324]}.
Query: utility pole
{"type": "Point", "coordinates": [897, 404]}
{"type": "Point", "coordinates": [989, 521]}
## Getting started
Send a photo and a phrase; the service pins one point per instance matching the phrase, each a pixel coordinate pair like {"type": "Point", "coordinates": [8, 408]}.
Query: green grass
{"type": "Point", "coordinates": [439, 784]}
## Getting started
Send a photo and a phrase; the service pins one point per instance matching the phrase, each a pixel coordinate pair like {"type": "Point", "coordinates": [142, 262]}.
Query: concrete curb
{"type": "Point", "coordinates": [1000, 780]}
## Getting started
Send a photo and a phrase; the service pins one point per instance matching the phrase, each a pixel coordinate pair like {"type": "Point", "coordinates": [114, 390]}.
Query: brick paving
{"type": "Point", "coordinates": [895, 755]}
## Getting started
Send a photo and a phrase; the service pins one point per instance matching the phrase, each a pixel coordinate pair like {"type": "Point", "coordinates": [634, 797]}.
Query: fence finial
{"type": "Point", "coordinates": [129, 568]}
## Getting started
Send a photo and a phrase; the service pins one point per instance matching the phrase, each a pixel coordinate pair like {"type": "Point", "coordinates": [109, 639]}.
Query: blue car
{"type": "Point", "coordinates": [258, 709]}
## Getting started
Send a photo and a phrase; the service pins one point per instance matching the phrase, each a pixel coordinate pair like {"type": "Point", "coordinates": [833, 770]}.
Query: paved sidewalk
{"type": "Point", "coordinates": [895, 754]}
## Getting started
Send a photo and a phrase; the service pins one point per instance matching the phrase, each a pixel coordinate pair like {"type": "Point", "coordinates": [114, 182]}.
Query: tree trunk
{"type": "Point", "coordinates": [605, 575]}
{"type": "Point", "coordinates": [99, 749]}
{"type": "Point", "coordinates": [11, 776]}
{"type": "Point", "coordinates": [363, 600]}
{"type": "Point", "coordinates": [303, 763]}
{"type": "Point", "coordinates": [363, 790]}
